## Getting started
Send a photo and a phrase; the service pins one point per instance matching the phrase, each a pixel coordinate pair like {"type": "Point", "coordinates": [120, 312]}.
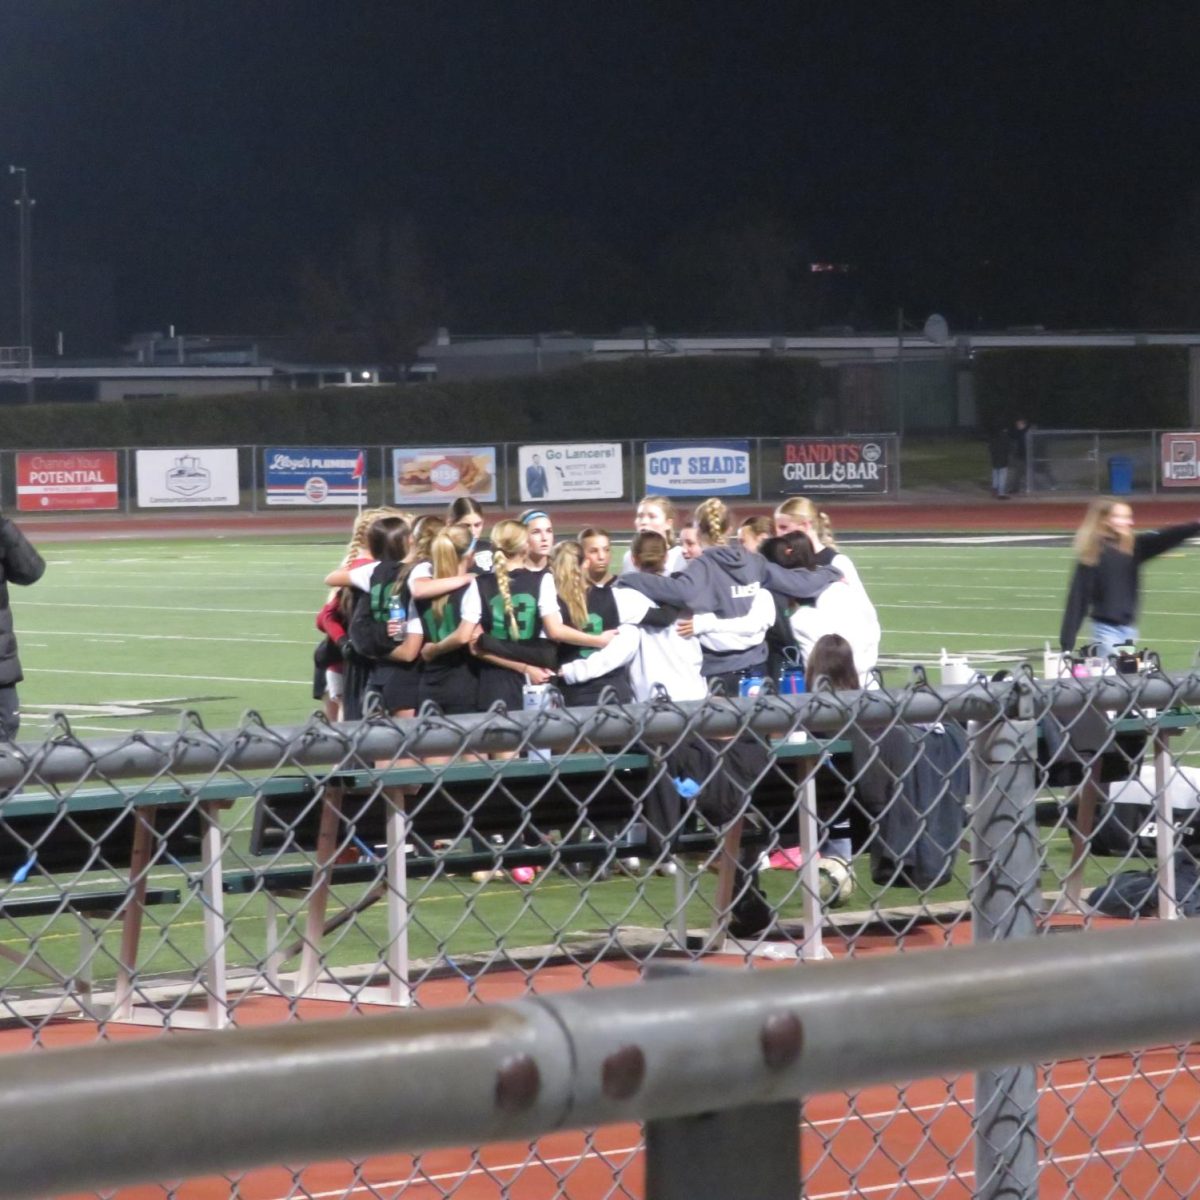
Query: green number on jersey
{"type": "Point", "coordinates": [438, 630]}
{"type": "Point", "coordinates": [524, 609]}
{"type": "Point", "coordinates": [594, 625]}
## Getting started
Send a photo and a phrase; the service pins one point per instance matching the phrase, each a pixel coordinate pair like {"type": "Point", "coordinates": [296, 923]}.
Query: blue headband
{"type": "Point", "coordinates": [533, 516]}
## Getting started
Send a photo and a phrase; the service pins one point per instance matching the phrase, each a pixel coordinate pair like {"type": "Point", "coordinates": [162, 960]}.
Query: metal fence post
{"type": "Point", "coordinates": [748, 1153]}
{"type": "Point", "coordinates": [1005, 894]}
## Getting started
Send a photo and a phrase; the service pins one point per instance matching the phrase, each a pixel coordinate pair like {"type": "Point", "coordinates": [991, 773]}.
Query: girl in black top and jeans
{"type": "Point", "coordinates": [1104, 585]}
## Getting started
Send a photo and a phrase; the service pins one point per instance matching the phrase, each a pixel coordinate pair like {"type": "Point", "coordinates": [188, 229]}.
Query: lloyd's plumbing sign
{"type": "Point", "coordinates": [313, 475]}
{"type": "Point", "coordinates": [711, 468]}
{"type": "Point", "coordinates": [813, 466]}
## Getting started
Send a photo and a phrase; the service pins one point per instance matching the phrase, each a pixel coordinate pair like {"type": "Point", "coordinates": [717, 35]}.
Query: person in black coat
{"type": "Point", "coordinates": [999, 453]}
{"type": "Point", "coordinates": [19, 563]}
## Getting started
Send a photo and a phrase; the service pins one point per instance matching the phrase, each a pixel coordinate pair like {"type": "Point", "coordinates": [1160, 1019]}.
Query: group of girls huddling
{"type": "Point", "coordinates": [427, 609]}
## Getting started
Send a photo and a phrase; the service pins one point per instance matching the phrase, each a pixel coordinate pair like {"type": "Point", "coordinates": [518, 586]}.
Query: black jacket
{"type": "Point", "coordinates": [19, 563]}
{"type": "Point", "coordinates": [1108, 592]}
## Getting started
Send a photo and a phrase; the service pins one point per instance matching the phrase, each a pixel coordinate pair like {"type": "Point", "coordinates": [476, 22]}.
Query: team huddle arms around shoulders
{"type": "Point", "coordinates": [426, 610]}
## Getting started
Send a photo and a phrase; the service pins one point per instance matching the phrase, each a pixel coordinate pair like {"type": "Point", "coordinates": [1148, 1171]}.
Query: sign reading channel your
{"type": "Point", "coordinates": [571, 471]}
{"type": "Point", "coordinates": [813, 466]}
{"type": "Point", "coordinates": [67, 480]}
{"type": "Point", "coordinates": [189, 478]}
{"type": "Point", "coordinates": [312, 475]}
{"type": "Point", "coordinates": [711, 468]}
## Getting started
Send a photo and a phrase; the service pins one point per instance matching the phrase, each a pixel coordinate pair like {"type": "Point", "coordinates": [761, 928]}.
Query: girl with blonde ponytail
{"type": "Point", "coordinates": [593, 613]}
{"type": "Point", "coordinates": [860, 623]}
{"type": "Point", "coordinates": [1104, 583]}
{"type": "Point", "coordinates": [511, 650]}
{"type": "Point", "coordinates": [449, 622]}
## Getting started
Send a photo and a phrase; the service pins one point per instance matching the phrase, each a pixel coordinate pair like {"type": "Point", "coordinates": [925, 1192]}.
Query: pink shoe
{"type": "Point", "coordinates": [790, 858]}
{"type": "Point", "coordinates": [524, 875]}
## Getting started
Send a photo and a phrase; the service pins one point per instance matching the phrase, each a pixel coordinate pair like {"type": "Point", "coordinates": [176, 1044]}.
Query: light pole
{"type": "Point", "coordinates": [25, 203]}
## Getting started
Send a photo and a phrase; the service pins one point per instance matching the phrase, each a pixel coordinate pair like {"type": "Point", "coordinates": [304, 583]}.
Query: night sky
{"type": "Point", "coordinates": [588, 166]}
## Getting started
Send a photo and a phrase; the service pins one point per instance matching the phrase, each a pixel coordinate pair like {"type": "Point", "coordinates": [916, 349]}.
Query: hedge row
{"type": "Point", "coordinates": [634, 398]}
{"type": "Point", "coordinates": [1102, 388]}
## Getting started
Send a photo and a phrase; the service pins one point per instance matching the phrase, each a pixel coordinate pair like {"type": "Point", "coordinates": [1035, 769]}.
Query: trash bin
{"type": "Point", "coordinates": [1120, 475]}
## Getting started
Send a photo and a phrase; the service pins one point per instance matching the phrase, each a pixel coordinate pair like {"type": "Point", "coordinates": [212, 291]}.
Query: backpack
{"type": "Point", "coordinates": [1130, 894]}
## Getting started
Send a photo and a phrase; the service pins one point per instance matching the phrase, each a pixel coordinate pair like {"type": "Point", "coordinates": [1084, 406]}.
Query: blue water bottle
{"type": "Point", "coordinates": [396, 612]}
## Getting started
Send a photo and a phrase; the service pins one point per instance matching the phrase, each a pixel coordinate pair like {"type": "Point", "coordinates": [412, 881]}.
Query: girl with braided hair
{"type": "Point", "coordinates": [511, 649]}
{"type": "Point", "coordinates": [448, 621]}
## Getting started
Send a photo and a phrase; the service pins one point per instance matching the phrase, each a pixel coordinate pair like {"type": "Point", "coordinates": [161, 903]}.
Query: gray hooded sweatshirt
{"type": "Point", "coordinates": [724, 581]}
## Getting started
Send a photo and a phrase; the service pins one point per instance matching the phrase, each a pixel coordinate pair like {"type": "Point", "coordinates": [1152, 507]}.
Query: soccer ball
{"type": "Point", "coordinates": [836, 881]}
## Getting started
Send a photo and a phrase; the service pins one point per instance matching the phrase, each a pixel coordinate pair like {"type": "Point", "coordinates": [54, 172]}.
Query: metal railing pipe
{"type": "Point", "coordinates": [703, 1041]}
{"type": "Point", "coordinates": [255, 746]}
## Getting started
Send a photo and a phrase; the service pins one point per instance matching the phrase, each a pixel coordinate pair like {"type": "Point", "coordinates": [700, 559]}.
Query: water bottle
{"type": "Point", "coordinates": [536, 696]}
{"type": "Point", "coordinates": [750, 683]}
{"type": "Point", "coordinates": [396, 612]}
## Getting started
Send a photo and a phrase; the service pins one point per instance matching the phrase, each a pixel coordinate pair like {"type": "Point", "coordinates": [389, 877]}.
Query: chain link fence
{"type": "Point", "coordinates": [273, 875]}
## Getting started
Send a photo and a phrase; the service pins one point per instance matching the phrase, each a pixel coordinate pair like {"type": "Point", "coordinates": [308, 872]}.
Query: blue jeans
{"type": "Point", "coordinates": [1109, 637]}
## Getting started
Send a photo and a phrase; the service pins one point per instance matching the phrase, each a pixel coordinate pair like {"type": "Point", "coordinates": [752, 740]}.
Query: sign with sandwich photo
{"type": "Point", "coordinates": [437, 474]}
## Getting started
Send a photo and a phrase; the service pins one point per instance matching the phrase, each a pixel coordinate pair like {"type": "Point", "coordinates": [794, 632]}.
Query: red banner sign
{"type": "Point", "coordinates": [67, 479]}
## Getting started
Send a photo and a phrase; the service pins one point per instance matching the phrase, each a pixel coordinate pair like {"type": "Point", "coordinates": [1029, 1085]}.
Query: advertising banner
{"type": "Point", "coordinates": [1181, 460]}
{"type": "Point", "coordinates": [67, 480]}
{"type": "Point", "coordinates": [710, 468]}
{"type": "Point", "coordinates": [189, 478]}
{"type": "Point", "coordinates": [313, 475]}
{"type": "Point", "coordinates": [834, 464]}
{"type": "Point", "coordinates": [437, 474]}
{"type": "Point", "coordinates": [571, 471]}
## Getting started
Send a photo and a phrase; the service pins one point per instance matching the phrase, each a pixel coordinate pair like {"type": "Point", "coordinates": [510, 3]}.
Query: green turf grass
{"type": "Point", "coordinates": [453, 917]}
{"type": "Point", "coordinates": [127, 635]}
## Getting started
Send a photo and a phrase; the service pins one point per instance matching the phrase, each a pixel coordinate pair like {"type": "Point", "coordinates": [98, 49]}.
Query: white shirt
{"type": "Point", "coordinates": [675, 562]}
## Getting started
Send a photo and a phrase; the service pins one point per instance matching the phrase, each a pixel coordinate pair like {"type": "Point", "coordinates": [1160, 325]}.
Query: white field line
{"type": "Point", "coordinates": [1099, 1154]}
{"type": "Point", "coordinates": [1025, 608]}
{"type": "Point", "coordinates": [170, 675]}
{"type": "Point", "coordinates": [175, 608]}
{"type": "Point", "coordinates": [93, 635]}
{"type": "Point", "coordinates": [1024, 540]}
{"type": "Point", "coordinates": [165, 583]}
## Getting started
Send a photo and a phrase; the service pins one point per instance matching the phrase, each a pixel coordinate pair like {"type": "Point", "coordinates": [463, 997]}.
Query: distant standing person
{"type": "Point", "coordinates": [1019, 449]}
{"type": "Point", "coordinates": [999, 451]}
{"type": "Point", "coordinates": [536, 483]}
{"type": "Point", "coordinates": [20, 563]}
{"type": "Point", "coordinates": [1104, 584]}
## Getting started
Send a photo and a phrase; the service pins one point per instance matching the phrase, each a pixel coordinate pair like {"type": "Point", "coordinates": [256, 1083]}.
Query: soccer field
{"type": "Point", "coordinates": [123, 635]}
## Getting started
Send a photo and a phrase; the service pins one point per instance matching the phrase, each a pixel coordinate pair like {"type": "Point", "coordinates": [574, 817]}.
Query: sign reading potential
{"type": "Point", "coordinates": [571, 471]}
{"type": "Point", "coordinates": [844, 464]}
{"type": "Point", "coordinates": [187, 478]}
{"type": "Point", "coordinates": [67, 479]}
